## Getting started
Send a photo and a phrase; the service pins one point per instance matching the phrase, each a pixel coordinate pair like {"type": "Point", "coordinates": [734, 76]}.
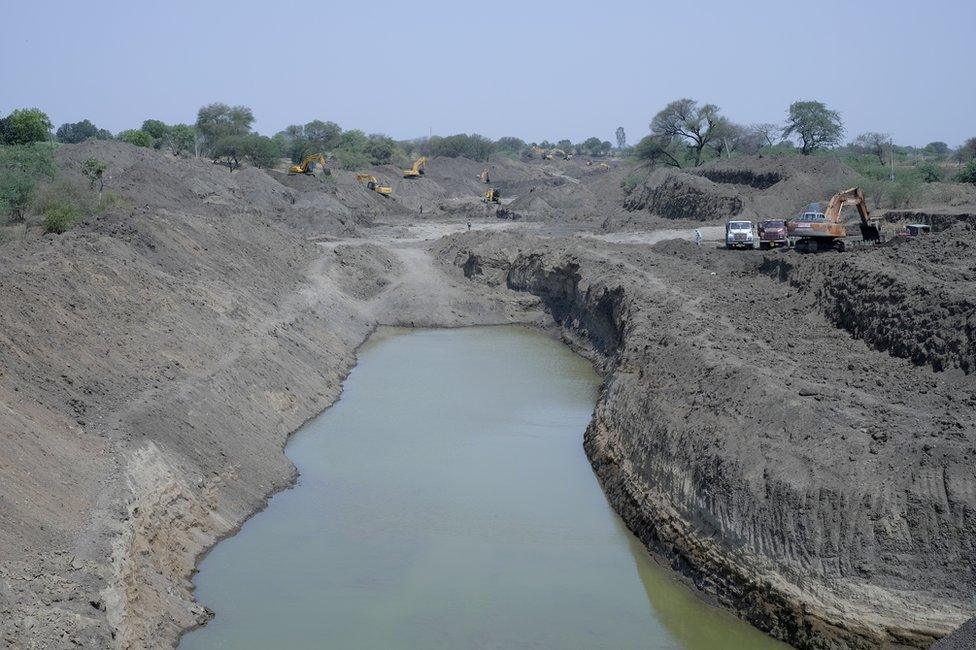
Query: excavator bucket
{"type": "Point", "coordinates": [870, 231]}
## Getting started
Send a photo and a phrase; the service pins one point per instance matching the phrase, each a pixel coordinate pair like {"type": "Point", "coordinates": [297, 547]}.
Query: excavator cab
{"type": "Point", "coordinates": [492, 196]}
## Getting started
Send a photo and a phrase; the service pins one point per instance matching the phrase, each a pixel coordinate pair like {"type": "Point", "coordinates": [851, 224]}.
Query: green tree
{"type": "Point", "coordinates": [509, 144]}
{"type": "Point", "coordinates": [380, 149]}
{"type": "Point", "coordinates": [592, 146]}
{"type": "Point", "coordinates": [814, 124]}
{"type": "Point", "coordinates": [968, 173]}
{"type": "Point", "coordinates": [156, 128]}
{"type": "Point", "coordinates": [75, 132]}
{"type": "Point", "coordinates": [474, 146]}
{"type": "Point", "coordinates": [621, 137]}
{"type": "Point", "coordinates": [324, 136]}
{"type": "Point", "coordinates": [20, 168]}
{"type": "Point", "coordinates": [660, 150]}
{"type": "Point", "coordinates": [16, 192]}
{"type": "Point", "coordinates": [940, 149]}
{"type": "Point", "coordinates": [259, 150]}
{"type": "Point", "coordinates": [181, 139]}
{"type": "Point", "coordinates": [354, 140]}
{"type": "Point", "coordinates": [566, 145]}
{"type": "Point", "coordinates": [25, 126]}
{"type": "Point", "coordinates": [218, 120]}
{"type": "Point", "coordinates": [136, 137]}
{"type": "Point", "coordinates": [967, 151]}
{"type": "Point", "coordinates": [686, 122]}
{"type": "Point", "coordinates": [94, 171]}
{"type": "Point", "coordinates": [317, 136]}
{"type": "Point", "coordinates": [931, 172]}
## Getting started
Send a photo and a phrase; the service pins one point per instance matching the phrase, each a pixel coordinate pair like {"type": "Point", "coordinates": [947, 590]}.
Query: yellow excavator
{"type": "Point", "coordinates": [418, 168]}
{"type": "Point", "coordinates": [552, 154]}
{"type": "Point", "coordinates": [822, 231]}
{"type": "Point", "coordinates": [307, 166]}
{"type": "Point", "coordinates": [492, 196]}
{"type": "Point", "coordinates": [373, 183]}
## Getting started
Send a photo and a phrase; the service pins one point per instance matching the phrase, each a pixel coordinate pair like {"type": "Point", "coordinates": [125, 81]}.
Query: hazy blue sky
{"type": "Point", "coordinates": [537, 70]}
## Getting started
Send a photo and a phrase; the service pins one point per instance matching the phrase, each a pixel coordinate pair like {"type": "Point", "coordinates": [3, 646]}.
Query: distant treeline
{"type": "Point", "coordinates": [224, 133]}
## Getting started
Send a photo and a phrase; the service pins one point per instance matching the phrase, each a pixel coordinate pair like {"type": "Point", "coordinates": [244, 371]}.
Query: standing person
{"type": "Point", "coordinates": [421, 209]}
{"type": "Point", "coordinates": [698, 237]}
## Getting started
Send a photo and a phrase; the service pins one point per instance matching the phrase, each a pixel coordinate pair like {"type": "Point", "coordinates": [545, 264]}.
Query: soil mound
{"type": "Point", "coordinates": [748, 187]}
{"type": "Point", "coordinates": [911, 298]}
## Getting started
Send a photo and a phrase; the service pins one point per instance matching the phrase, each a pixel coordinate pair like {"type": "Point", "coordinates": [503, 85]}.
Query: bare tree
{"type": "Point", "coordinates": [873, 143]}
{"type": "Point", "coordinates": [729, 138]}
{"type": "Point", "coordinates": [766, 133]}
{"type": "Point", "coordinates": [695, 126]}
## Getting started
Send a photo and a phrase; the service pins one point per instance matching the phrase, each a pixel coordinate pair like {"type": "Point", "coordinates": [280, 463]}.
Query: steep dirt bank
{"type": "Point", "coordinates": [164, 431]}
{"type": "Point", "coordinates": [913, 299]}
{"type": "Point", "coordinates": [154, 361]}
{"type": "Point", "coordinates": [803, 478]}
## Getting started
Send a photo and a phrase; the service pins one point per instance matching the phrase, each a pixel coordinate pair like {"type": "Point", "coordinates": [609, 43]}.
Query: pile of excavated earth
{"type": "Point", "coordinates": [794, 434]}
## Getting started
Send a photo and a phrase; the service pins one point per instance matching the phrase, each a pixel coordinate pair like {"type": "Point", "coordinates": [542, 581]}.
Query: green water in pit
{"type": "Point", "coordinates": [445, 502]}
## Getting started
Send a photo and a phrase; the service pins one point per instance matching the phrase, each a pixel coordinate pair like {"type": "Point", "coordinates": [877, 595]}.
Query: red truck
{"type": "Point", "coordinates": [772, 233]}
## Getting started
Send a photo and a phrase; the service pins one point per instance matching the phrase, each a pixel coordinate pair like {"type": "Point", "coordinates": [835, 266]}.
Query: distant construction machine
{"type": "Point", "coordinates": [417, 170]}
{"type": "Point", "coordinates": [552, 154]}
{"type": "Point", "coordinates": [492, 196]}
{"type": "Point", "coordinates": [307, 166]}
{"type": "Point", "coordinates": [483, 176]}
{"type": "Point", "coordinates": [823, 231]}
{"type": "Point", "coordinates": [373, 183]}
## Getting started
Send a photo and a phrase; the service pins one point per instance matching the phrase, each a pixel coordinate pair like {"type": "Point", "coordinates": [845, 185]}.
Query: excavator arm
{"type": "Point", "coordinates": [854, 196]}
{"type": "Point", "coordinates": [417, 169]}
{"type": "Point", "coordinates": [304, 166]}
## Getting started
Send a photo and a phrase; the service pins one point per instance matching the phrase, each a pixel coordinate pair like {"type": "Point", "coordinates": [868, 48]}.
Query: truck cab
{"type": "Point", "coordinates": [772, 233]}
{"type": "Point", "coordinates": [738, 234]}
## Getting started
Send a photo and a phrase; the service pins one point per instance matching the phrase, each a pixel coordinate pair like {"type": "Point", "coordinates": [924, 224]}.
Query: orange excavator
{"type": "Point", "coordinates": [822, 231]}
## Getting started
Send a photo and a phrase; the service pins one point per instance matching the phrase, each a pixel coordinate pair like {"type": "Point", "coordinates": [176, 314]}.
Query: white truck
{"type": "Point", "coordinates": [739, 234]}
